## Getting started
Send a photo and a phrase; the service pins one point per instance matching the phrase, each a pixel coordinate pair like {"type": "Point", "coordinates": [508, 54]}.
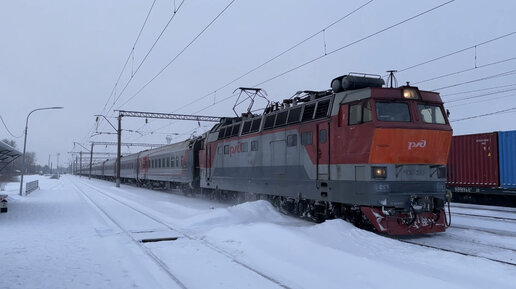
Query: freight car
{"type": "Point", "coordinates": [482, 168]}
{"type": "Point", "coordinates": [372, 155]}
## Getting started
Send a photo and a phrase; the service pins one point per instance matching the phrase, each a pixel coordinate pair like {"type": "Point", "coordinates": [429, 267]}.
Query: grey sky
{"type": "Point", "coordinates": [69, 53]}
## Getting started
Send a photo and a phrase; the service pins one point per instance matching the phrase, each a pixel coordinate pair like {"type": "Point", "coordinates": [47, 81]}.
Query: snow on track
{"type": "Point", "coordinates": [218, 270]}
{"type": "Point", "coordinates": [83, 249]}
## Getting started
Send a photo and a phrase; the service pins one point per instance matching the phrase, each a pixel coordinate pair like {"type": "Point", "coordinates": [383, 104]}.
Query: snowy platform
{"type": "Point", "coordinates": [80, 233]}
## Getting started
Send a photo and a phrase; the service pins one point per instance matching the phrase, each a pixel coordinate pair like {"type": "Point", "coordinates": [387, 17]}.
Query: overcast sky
{"type": "Point", "coordinates": [70, 53]}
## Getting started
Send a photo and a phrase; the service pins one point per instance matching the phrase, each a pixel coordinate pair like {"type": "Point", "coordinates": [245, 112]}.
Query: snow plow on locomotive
{"type": "Point", "coordinates": [373, 155]}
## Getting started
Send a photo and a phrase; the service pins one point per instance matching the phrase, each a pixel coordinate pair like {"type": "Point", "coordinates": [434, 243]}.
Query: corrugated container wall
{"type": "Point", "coordinates": [507, 151]}
{"type": "Point", "coordinates": [473, 161]}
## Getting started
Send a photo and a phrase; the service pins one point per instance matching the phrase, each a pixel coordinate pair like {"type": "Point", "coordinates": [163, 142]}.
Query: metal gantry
{"type": "Point", "coordinates": [161, 115]}
{"type": "Point", "coordinates": [128, 144]}
{"type": "Point", "coordinates": [144, 114]}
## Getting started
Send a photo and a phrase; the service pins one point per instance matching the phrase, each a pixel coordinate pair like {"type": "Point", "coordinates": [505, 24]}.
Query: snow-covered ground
{"type": "Point", "coordinates": [80, 233]}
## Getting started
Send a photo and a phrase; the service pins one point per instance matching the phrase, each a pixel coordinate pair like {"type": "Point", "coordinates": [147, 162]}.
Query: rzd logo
{"type": "Point", "coordinates": [413, 144]}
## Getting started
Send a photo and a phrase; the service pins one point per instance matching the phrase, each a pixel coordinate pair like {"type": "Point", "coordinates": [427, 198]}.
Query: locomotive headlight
{"type": "Point", "coordinates": [379, 172]}
{"type": "Point", "coordinates": [410, 93]}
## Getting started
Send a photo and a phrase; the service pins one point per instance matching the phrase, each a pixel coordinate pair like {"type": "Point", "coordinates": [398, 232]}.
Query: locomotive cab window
{"type": "Point", "coordinates": [360, 113]}
{"type": "Point", "coordinates": [392, 111]}
{"type": "Point", "coordinates": [431, 113]}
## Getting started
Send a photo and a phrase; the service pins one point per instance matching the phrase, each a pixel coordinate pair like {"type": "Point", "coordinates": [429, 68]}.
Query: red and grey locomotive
{"type": "Point", "coordinates": [375, 156]}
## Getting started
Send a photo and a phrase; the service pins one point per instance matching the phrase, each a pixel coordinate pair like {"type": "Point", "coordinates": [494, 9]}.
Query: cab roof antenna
{"type": "Point", "coordinates": [391, 79]}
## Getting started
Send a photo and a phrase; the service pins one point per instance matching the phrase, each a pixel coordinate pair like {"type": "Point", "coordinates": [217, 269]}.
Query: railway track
{"type": "Point", "coordinates": [486, 217]}
{"type": "Point", "coordinates": [458, 252]}
{"type": "Point", "coordinates": [138, 242]}
{"type": "Point", "coordinates": [153, 256]}
{"type": "Point", "coordinates": [483, 208]}
{"type": "Point", "coordinates": [487, 230]}
{"type": "Point", "coordinates": [457, 240]}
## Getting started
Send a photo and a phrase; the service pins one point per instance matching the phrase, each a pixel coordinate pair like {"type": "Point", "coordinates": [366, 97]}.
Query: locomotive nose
{"type": "Point", "coordinates": [410, 146]}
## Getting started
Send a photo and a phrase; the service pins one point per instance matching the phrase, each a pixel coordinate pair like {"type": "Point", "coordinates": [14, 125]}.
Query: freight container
{"type": "Point", "coordinates": [507, 156]}
{"type": "Point", "coordinates": [473, 161]}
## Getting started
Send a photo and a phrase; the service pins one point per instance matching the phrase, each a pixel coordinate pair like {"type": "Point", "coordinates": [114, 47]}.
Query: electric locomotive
{"type": "Point", "coordinates": [359, 151]}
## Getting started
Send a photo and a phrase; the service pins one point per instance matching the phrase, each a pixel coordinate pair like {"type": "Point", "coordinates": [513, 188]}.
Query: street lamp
{"type": "Point", "coordinates": [25, 141]}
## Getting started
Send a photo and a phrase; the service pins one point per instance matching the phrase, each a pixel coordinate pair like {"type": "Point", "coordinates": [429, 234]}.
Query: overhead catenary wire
{"type": "Point", "coordinates": [503, 74]}
{"type": "Point", "coordinates": [129, 55]}
{"type": "Point", "coordinates": [269, 60]}
{"type": "Point", "coordinates": [480, 101]}
{"type": "Point", "coordinates": [148, 53]}
{"type": "Point", "coordinates": [357, 41]}
{"type": "Point", "coordinates": [6, 128]}
{"type": "Point", "coordinates": [512, 109]}
{"type": "Point", "coordinates": [179, 54]}
{"type": "Point", "coordinates": [338, 49]}
{"type": "Point", "coordinates": [277, 56]}
{"type": "Point", "coordinates": [457, 51]}
{"type": "Point", "coordinates": [329, 53]}
{"type": "Point", "coordinates": [477, 90]}
{"type": "Point", "coordinates": [480, 95]}
{"type": "Point", "coordinates": [465, 70]}
{"type": "Point", "coordinates": [334, 51]}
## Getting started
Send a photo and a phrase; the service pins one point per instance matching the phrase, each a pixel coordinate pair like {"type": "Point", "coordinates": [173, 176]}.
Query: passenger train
{"type": "Point", "coordinates": [372, 155]}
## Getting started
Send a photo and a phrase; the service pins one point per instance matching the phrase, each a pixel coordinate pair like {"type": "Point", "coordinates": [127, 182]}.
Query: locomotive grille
{"type": "Point", "coordinates": [309, 112]}
{"type": "Point", "coordinates": [322, 109]}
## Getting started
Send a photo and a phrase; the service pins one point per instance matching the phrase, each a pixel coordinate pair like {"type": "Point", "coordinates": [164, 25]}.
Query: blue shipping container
{"type": "Point", "coordinates": [507, 157]}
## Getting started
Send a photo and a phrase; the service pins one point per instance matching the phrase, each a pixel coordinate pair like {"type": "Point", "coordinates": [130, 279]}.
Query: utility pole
{"type": "Point", "coordinates": [91, 160]}
{"type": "Point", "coordinates": [25, 142]}
{"type": "Point", "coordinates": [57, 166]}
{"type": "Point", "coordinates": [80, 165]}
{"type": "Point", "coordinates": [119, 150]}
